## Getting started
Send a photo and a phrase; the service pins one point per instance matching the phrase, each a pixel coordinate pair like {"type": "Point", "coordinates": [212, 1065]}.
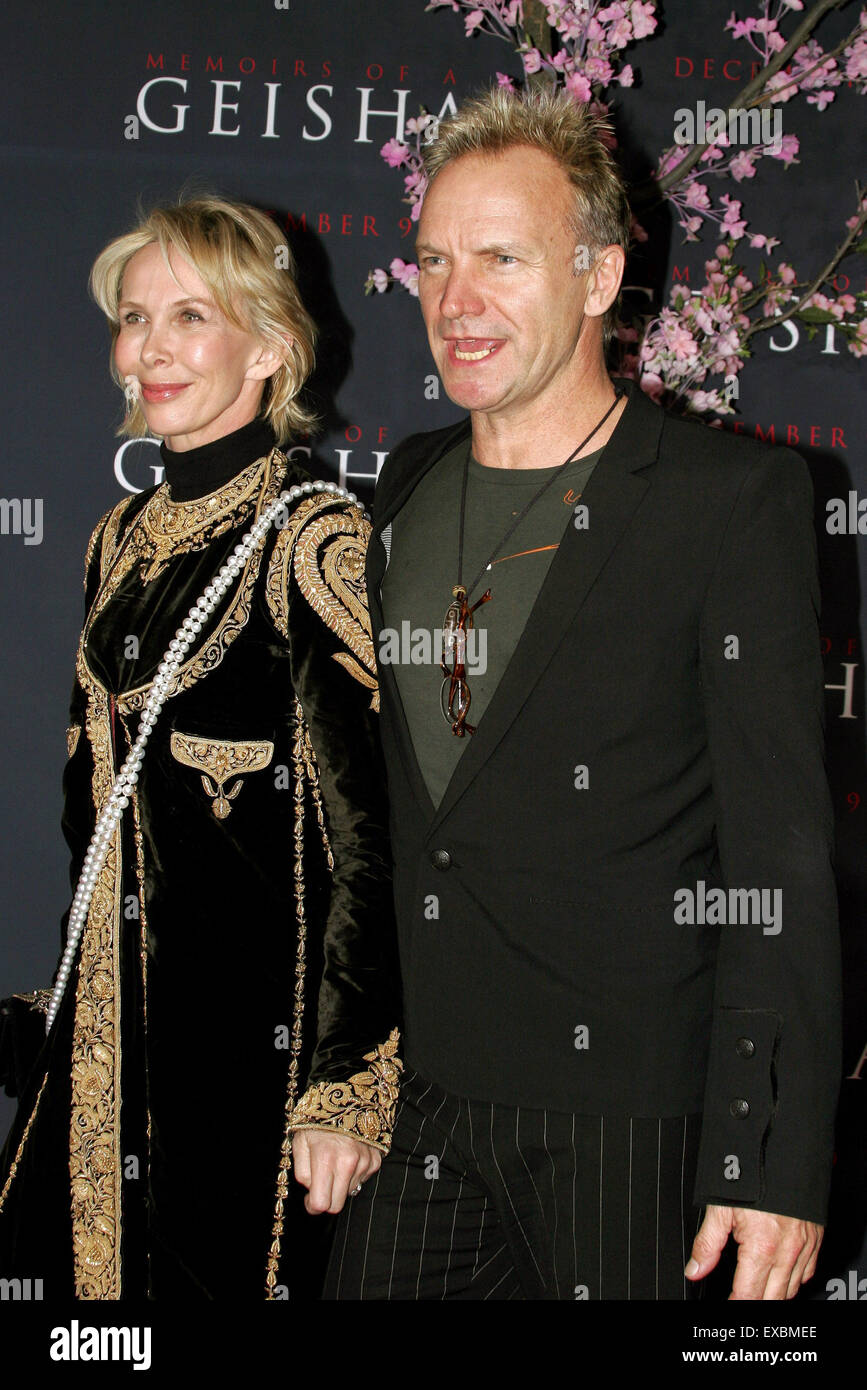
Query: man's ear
{"type": "Point", "coordinates": [604, 279]}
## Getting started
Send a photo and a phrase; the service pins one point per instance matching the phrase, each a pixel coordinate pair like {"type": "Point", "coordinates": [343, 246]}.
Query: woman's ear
{"type": "Point", "coordinates": [267, 363]}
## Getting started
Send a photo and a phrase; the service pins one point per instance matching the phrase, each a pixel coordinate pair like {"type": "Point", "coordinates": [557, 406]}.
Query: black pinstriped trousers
{"type": "Point", "coordinates": [479, 1201]}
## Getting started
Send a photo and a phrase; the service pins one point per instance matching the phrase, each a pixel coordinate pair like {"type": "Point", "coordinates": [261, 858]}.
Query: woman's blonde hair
{"type": "Point", "coordinates": [249, 270]}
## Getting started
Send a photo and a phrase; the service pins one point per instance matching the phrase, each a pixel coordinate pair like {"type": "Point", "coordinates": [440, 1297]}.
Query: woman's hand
{"type": "Point", "coordinates": [330, 1166]}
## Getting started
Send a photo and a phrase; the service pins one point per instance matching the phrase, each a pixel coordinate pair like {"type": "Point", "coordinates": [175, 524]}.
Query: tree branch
{"type": "Point", "coordinates": [824, 274]}
{"type": "Point", "coordinates": [653, 187]}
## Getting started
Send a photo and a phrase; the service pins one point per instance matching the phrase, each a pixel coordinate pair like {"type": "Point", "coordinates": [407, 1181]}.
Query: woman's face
{"type": "Point", "coordinates": [201, 377]}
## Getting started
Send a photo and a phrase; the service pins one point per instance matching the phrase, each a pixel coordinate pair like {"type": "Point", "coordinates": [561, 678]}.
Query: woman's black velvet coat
{"type": "Point", "coordinates": [150, 1165]}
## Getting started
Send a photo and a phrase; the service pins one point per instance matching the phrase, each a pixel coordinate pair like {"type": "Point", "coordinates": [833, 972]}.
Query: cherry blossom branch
{"type": "Point", "coordinates": [858, 223]}
{"type": "Point", "coordinates": [647, 192]}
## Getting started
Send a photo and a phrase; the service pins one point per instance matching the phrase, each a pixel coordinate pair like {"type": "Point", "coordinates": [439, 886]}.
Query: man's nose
{"type": "Point", "coordinates": [461, 297]}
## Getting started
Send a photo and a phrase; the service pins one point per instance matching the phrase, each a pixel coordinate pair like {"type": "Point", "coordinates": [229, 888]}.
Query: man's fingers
{"type": "Point", "coordinates": [318, 1199]}
{"type": "Point", "coordinates": [301, 1158]}
{"type": "Point", "coordinates": [805, 1266]}
{"type": "Point", "coordinates": [752, 1272]}
{"type": "Point", "coordinates": [709, 1242]}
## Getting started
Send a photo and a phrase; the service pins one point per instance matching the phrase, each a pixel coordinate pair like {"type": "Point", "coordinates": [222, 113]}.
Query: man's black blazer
{"type": "Point", "coordinates": [673, 653]}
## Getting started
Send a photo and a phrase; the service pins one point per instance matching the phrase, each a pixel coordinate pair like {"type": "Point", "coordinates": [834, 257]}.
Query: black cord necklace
{"type": "Point", "coordinates": [461, 592]}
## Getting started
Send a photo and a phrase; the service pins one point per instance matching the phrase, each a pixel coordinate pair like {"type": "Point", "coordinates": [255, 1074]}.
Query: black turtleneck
{"type": "Point", "coordinates": [194, 473]}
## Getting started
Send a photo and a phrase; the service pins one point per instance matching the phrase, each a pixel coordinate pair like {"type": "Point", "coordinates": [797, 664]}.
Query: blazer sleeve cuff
{"type": "Point", "coordinates": [739, 1107]}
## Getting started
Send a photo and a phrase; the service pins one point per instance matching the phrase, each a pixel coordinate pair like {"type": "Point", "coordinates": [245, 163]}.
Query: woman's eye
{"type": "Point", "coordinates": [190, 316]}
{"type": "Point", "coordinates": [132, 317]}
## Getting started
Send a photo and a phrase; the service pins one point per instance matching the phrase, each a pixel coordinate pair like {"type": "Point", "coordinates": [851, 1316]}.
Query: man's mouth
{"type": "Point", "coordinates": [473, 349]}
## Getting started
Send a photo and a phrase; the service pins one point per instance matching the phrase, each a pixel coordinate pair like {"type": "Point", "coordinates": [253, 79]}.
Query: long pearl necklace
{"type": "Point", "coordinates": [126, 779]}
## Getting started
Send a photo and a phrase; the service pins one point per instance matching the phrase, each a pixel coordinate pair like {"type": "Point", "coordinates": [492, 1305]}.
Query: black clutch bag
{"type": "Point", "coordinates": [22, 1033]}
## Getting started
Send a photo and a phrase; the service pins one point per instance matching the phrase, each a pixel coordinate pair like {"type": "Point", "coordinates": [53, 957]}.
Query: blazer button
{"type": "Point", "coordinates": [745, 1047]}
{"type": "Point", "coordinates": [441, 859]}
{"type": "Point", "coordinates": [740, 1109]}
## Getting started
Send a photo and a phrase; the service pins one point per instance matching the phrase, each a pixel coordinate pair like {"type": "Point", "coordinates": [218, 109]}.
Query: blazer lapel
{"type": "Point", "coordinates": [611, 496]}
{"type": "Point", "coordinates": [375, 571]}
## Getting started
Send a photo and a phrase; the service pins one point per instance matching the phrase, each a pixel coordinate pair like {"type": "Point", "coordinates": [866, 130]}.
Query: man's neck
{"type": "Point", "coordinates": [548, 431]}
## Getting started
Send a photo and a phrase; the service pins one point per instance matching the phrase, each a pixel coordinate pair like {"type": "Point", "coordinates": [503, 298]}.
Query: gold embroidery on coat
{"type": "Point", "coordinates": [171, 527]}
{"type": "Point", "coordinates": [94, 1149]}
{"type": "Point", "coordinates": [329, 567]}
{"type": "Point", "coordinates": [222, 759]}
{"type": "Point", "coordinates": [73, 733]}
{"type": "Point", "coordinates": [299, 767]}
{"type": "Point", "coordinates": [13, 1167]}
{"type": "Point", "coordinates": [143, 942]}
{"type": "Point", "coordinates": [215, 644]}
{"type": "Point", "coordinates": [332, 581]}
{"type": "Point", "coordinates": [312, 768]}
{"type": "Point", "coordinates": [364, 1106]}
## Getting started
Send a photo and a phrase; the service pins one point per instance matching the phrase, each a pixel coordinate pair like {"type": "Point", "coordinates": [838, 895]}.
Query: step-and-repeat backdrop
{"type": "Point", "coordinates": [286, 105]}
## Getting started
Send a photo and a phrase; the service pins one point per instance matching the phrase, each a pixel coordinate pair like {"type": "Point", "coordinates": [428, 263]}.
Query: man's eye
{"type": "Point", "coordinates": [504, 259]}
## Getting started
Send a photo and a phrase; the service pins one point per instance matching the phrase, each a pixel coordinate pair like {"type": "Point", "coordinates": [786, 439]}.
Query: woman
{"type": "Point", "coordinates": [249, 874]}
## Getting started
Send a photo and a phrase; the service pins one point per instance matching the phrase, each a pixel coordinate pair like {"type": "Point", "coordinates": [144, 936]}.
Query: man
{"type": "Point", "coordinates": [612, 839]}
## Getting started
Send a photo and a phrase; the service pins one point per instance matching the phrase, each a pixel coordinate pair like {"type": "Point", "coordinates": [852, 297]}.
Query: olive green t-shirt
{"type": "Point", "coordinates": [423, 569]}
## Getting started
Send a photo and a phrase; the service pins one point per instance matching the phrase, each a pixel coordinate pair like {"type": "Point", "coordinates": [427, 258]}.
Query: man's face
{"type": "Point", "coordinates": [501, 304]}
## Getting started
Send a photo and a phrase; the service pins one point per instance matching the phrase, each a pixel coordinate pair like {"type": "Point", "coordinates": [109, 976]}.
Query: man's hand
{"type": "Point", "coordinates": [330, 1166]}
{"type": "Point", "coordinates": [777, 1253]}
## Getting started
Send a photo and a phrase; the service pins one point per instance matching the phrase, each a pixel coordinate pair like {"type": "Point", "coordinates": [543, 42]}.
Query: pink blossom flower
{"type": "Point", "coordinates": [643, 19]}
{"type": "Point", "coordinates": [847, 303]}
{"type": "Point", "coordinates": [406, 273]}
{"type": "Point", "coordinates": [379, 280]}
{"type": "Point", "coordinates": [627, 77]}
{"type": "Point", "coordinates": [652, 385]}
{"type": "Point", "coordinates": [741, 28]}
{"type": "Point", "coordinates": [786, 273]}
{"type": "Point", "coordinates": [787, 150]}
{"type": "Point", "coordinates": [504, 80]}
{"type": "Point", "coordinates": [816, 301]}
{"type": "Point", "coordinates": [620, 33]}
{"type": "Point", "coordinates": [695, 195]}
{"type": "Point", "coordinates": [578, 87]}
{"type": "Point", "coordinates": [395, 153]}
{"type": "Point", "coordinates": [743, 166]}
{"type": "Point", "coordinates": [532, 60]}
{"type": "Point", "coordinates": [856, 61]}
{"type": "Point", "coordinates": [473, 20]}
{"type": "Point", "coordinates": [682, 344]}
{"type": "Point", "coordinates": [600, 70]}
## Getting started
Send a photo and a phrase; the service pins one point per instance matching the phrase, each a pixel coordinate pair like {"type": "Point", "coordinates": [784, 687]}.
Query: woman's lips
{"type": "Point", "coordinates": [472, 349]}
{"type": "Point", "coordinates": [163, 391]}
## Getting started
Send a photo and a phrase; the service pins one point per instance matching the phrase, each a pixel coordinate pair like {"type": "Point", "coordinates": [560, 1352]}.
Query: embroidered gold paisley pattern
{"type": "Point", "coordinates": [364, 1106]}
{"type": "Point", "coordinates": [73, 734]}
{"type": "Point", "coordinates": [221, 759]}
{"type": "Point", "coordinates": [326, 553]}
